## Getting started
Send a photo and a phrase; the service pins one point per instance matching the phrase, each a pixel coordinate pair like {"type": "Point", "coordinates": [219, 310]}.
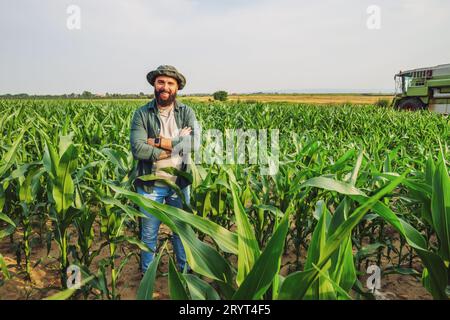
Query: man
{"type": "Point", "coordinates": [159, 130]}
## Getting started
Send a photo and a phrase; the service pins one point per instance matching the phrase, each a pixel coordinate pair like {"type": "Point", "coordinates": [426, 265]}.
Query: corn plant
{"type": "Point", "coordinates": [30, 185]}
{"type": "Point", "coordinates": [431, 190]}
{"type": "Point", "coordinates": [6, 163]}
{"type": "Point", "coordinates": [59, 169]}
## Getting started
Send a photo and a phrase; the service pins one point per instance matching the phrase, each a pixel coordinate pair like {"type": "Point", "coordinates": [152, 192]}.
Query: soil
{"type": "Point", "coordinates": [45, 278]}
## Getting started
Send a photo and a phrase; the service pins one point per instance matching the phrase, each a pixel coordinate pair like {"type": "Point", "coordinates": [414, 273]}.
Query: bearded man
{"type": "Point", "coordinates": [160, 137]}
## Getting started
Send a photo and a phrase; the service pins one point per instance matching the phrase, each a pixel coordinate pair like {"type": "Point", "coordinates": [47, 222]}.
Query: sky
{"type": "Point", "coordinates": [237, 46]}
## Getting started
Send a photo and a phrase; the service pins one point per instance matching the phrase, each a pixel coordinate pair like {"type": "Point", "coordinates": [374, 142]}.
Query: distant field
{"type": "Point", "coordinates": [304, 98]}
{"type": "Point", "coordinates": [317, 99]}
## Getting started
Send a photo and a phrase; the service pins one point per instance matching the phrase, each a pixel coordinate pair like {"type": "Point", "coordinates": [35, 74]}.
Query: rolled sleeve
{"type": "Point", "coordinates": [138, 140]}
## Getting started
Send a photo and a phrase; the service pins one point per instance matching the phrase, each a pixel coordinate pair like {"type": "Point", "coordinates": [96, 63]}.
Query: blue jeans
{"type": "Point", "coordinates": [150, 226]}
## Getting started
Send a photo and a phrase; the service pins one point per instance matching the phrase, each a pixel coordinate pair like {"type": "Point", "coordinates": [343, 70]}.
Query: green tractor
{"type": "Point", "coordinates": [423, 89]}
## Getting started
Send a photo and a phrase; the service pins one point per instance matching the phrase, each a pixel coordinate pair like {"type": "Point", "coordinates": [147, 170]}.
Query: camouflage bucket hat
{"type": "Point", "coordinates": [169, 71]}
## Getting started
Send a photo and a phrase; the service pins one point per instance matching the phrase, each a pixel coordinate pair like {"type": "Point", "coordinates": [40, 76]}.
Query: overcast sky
{"type": "Point", "coordinates": [238, 46]}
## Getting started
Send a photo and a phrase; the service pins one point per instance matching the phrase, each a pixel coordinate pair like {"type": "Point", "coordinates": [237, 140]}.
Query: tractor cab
{"type": "Point", "coordinates": [423, 89]}
{"type": "Point", "coordinates": [402, 82]}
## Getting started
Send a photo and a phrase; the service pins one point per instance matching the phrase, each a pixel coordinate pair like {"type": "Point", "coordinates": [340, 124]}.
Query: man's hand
{"type": "Point", "coordinates": [164, 155]}
{"type": "Point", "coordinates": [185, 131]}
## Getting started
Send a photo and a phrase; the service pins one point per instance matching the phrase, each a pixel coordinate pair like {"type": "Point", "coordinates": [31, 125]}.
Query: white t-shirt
{"type": "Point", "coordinates": [169, 129]}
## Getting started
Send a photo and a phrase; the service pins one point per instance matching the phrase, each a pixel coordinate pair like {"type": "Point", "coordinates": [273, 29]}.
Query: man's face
{"type": "Point", "coordinates": [165, 90]}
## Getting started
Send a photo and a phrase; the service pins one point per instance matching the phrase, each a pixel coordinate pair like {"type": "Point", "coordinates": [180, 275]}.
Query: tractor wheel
{"type": "Point", "coordinates": [411, 104]}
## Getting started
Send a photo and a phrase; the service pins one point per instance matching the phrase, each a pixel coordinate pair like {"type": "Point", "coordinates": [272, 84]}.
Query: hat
{"type": "Point", "coordinates": [169, 71]}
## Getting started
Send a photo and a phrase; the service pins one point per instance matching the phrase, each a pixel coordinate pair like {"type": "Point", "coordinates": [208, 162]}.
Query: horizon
{"type": "Point", "coordinates": [181, 94]}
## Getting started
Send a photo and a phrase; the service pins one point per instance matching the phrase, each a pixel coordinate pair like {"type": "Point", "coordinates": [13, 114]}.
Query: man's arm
{"type": "Point", "coordinates": [191, 140]}
{"type": "Point", "coordinates": [187, 141]}
{"type": "Point", "coordinates": [166, 143]}
{"type": "Point", "coordinates": [140, 149]}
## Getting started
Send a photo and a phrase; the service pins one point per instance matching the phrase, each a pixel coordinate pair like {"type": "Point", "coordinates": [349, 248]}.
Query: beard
{"type": "Point", "coordinates": [164, 102]}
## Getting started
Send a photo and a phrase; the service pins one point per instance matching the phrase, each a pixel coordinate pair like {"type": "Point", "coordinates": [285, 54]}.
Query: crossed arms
{"type": "Point", "coordinates": [166, 144]}
{"type": "Point", "coordinates": [144, 148]}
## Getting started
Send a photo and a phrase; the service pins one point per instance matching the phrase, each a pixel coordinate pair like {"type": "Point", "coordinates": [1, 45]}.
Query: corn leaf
{"type": "Point", "coordinates": [176, 287]}
{"type": "Point", "coordinates": [264, 270]}
{"type": "Point", "coordinates": [145, 291]}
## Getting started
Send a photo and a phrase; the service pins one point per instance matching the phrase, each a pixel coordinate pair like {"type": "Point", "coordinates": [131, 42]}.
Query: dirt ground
{"type": "Point", "coordinates": [45, 276]}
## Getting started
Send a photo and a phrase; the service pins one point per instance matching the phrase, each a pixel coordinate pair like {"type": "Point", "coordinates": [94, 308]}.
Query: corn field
{"type": "Point", "coordinates": [351, 179]}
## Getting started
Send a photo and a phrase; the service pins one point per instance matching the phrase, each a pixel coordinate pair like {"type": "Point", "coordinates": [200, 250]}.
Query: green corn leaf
{"type": "Point", "coordinates": [201, 257]}
{"type": "Point", "coordinates": [64, 142]}
{"type": "Point", "coordinates": [331, 185]}
{"type": "Point", "coordinates": [342, 269]}
{"type": "Point", "coordinates": [265, 269]}
{"type": "Point", "coordinates": [50, 160]}
{"type": "Point", "coordinates": [7, 231]}
{"type": "Point", "coordinates": [226, 240]}
{"type": "Point", "coordinates": [296, 285]}
{"type": "Point", "coordinates": [247, 243]}
{"type": "Point", "coordinates": [343, 293]}
{"type": "Point", "coordinates": [356, 169]}
{"type": "Point", "coordinates": [166, 182]}
{"type": "Point", "coordinates": [5, 218]}
{"type": "Point", "coordinates": [8, 158]}
{"type": "Point", "coordinates": [145, 291]}
{"type": "Point", "coordinates": [320, 289]}
{"type": "Point", "coordinates": [63, 190]}
{"type": "Point", "coordinates": [66, 294]}
{"type": "Point", "coordinates": [4, 268]}
{"type": "Point", "coordinates": [179, 173]}
{"type": "Point", "coordinates": [440, 207]}
{"type": "Point", "coordinates": [176, 287]}
{"type": "Point", "coordinates": [438, 273]}
{"type": "Point", "coordinates": [199, 289]}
